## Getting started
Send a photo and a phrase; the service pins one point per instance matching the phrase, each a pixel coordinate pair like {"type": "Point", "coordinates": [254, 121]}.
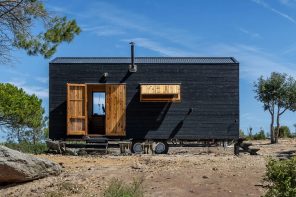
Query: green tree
{"type": "Point", "coordinates": [260, 135]}
{"type": "Point", "coordinates": [21, 115]}
{"type": "Point", "coordinates": [17, 19]}
{"type": "Point", "coordinates": [278, 94]}
{"type": "Point", "coordinates": [284, 132]}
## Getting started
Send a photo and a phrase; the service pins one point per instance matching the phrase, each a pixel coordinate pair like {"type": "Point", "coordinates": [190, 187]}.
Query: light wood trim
{"type": "Point", "coordinates": [159, 91]}
{"type": "Point", "coordinates": [85, 108]}
{"type": "Point", "coordinates": [81, 117]}
{"type": "Point", "coordinates": [75, 84]}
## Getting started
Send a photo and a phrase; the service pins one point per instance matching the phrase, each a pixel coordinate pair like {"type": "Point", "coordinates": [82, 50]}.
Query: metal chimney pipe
{"type": "Point", "coordinates": [132, 53]}
{"type": "Point", "coordinates": [132, 67]}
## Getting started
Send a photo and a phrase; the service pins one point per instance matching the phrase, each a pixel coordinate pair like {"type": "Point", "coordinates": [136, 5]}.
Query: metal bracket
{"type": "Point", "coordinates": [132, 68]}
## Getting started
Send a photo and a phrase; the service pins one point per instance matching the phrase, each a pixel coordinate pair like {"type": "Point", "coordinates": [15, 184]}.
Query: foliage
{"type": "Point", "coordinates": [241, 133]}
{"type": "Point", "coordinates": [284, 132]}
{"type": "Point", "coordinates": [21, 114]}
{"type": "Point", "coordinates": [26, 147]}
{"type": "Point", "coordinates": [260, 135]}
{"type": "Point", "coordinates": [18, 17]}
{"type": "Point", "coordinates": [250, 131]}
{"type": "Point", "coordinates": [278, 94]}
{"type": "Point", "coordinates": [281, 178]}
{"type": "Point", "coordinates": [257, 136]}
{"type": "Point", "coordinates": [118, 189]}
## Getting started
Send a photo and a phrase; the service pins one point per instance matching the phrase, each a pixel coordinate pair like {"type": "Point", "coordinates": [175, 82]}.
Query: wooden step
{"type": "Point", "coordinates": [97, 140]}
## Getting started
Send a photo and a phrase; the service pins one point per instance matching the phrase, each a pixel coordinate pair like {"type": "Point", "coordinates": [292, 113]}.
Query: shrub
{"type": "Point", "coordinates": [26, 147]}
{"type": "Point", "coordinates": [257, 136]}
{"type": "Point", "coordinates": [260, 135]}
{"type": "Point", "coordinates": [281, 178]}
{"type": "Point", "coordinates": [241, 133]}
{"type": "Point", "coordinates": [118, 189]}
{"type": "Point", "coordinates": [284, 132]}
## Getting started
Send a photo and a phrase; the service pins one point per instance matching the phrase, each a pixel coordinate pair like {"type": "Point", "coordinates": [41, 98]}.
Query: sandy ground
{"type": "Point", "coordinates": [183, 172]}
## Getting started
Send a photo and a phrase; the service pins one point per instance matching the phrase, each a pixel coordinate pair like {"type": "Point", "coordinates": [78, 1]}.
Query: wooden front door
{"type": "Point", "coordinates": [76, 109]}
{"type": "Point", "coordinates": [115, 109]}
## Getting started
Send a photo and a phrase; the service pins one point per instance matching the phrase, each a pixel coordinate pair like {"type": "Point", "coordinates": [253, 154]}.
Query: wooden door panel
{"type": "Point", "coordinates": [115, 109]}
{"type": "Point", "coordinates": [76, 109]}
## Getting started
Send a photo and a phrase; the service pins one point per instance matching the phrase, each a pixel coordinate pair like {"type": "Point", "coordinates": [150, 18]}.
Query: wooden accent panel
{"type": "Point", "coordinates": [115, 109]}
{"type": "Point", "coordinates": [160, 89]}
{"type": "Point", "coordinates": [160, 93]}
{"type": "Point", "coordinates": [76, 109]}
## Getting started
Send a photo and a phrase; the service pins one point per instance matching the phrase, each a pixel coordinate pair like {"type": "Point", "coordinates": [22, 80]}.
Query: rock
{"type": "Point", "coordinates": [57, 146]}
{"type": "Point", "coordinates": [136, 167]}
{"type": "Point", "coordinates": [81, 152]}
{"type": "Point", "coordinates": [205, 177]}
{"type": "Point", "coordinates": [16, 167]}
{"type": "Point", "coordinates": [70, 151]}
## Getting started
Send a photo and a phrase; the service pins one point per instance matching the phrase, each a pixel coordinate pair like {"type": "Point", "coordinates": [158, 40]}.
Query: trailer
{"type": "Point", "coordinates": [144, 99]}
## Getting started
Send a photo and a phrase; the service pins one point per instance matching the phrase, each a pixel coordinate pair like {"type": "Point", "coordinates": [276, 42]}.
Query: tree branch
{"type": "Point", "coordinates": [9, 10]}
{"type": "Point", "coordinates": [283, 111]}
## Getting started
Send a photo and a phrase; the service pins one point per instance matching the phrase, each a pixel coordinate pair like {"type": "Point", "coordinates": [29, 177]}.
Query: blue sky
{"type": "Point", "coordinates": [259, 34]}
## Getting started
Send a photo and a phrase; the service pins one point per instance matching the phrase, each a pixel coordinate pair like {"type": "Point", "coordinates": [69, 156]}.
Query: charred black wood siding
{"type": "Point", "coordinates": [210, 90]}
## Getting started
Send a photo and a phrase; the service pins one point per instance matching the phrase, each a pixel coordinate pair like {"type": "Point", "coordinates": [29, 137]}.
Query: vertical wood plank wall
{"type": "Point", "coordinates": [115, 109]}
{"type": "Point", "coordinates": [76, 109]}
{"type": "Point", "coordinates": [211, 90]}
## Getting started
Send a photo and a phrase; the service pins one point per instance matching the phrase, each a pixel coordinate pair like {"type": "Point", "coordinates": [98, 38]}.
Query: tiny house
{"type": "Point", "coordinates": [144, 98]}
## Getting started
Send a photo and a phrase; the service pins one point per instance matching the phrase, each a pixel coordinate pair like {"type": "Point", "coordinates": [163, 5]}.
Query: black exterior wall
{"type": "Point", "coordinates": [209, 91]}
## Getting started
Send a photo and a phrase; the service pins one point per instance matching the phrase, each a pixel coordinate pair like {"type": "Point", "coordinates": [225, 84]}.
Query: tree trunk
{"type": "Point", "coordinates": [277, 132]}
{"type": "Point", "coordinates": [272, 139]}
{"type": "Point", "coordinates": [18, 135]}
{"type": "Point", "coordinates": [34, 138]}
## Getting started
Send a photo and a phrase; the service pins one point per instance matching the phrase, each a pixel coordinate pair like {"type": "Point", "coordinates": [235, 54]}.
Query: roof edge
{"type": "Point", "coordinates": [109, 59]}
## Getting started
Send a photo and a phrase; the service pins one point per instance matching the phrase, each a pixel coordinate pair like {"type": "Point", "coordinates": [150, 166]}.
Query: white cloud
{"type": "Point", "coordinates": [249, 33]}
{"type": "Point", "coordinates": [39, 91]}
{"type": "Point", "coordinates": [253, 61]}
{"type": "Point", "coordinates": [282, 14]}
{"type": "Point", "coordinates": [287, 2]}
{"type": "Point", "coordinates": [104, 30]}
{"type": "Point", "coordinates": [122, 20]}
{"type": "Point", "coordinates": [156, 46]}
{"type": "Point", "coordinates": [42, 79]}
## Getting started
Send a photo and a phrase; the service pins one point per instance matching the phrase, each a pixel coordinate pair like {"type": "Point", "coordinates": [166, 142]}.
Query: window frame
{"type": "Point", "coordinates": [92, 108]}
{"type": "Point", "coordinates": [173, 99]}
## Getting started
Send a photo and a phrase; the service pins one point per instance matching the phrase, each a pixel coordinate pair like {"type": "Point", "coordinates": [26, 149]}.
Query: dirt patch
{"type": "Point", "coordinates": [183, 172]}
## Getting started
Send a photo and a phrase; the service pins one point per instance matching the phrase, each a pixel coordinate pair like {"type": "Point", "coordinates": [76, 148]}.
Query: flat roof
{"type": "Point", "coordinates": [144, 60]}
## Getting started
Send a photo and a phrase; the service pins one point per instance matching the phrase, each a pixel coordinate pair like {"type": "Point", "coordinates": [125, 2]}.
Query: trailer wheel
{"type": "Point", "coordinates": [161, 147]}
{"type": "Point", "coordinates": [137, 147]}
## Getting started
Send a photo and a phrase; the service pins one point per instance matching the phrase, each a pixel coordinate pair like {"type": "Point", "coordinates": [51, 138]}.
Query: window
{"type": "Point", "coordinates": [160, 93]}
{"type": "Point", "coordinates": [99, 103]}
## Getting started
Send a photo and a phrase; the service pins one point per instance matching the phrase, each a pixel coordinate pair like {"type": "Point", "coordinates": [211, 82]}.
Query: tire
{"type": "Point", "coordinates": [137, 147]}
{"type": "Point", "coordinates": [161, 147]}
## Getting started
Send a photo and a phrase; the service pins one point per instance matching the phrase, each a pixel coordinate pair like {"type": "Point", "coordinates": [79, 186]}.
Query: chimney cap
{"type": "Point", "coordinates": [132, 43]}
